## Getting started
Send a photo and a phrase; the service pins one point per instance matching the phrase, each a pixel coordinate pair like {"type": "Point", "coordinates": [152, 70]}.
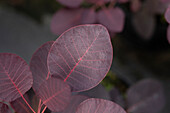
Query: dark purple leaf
{"type": "Point", "coordinates": [81, 56]}
{"type": "Point", "coordinates": [71, 3]}
{"type": "Point", "coordinates": [99, 2]}
{"type": "Point", "coordinates": [88, 16]}
{"type": "Point", "coordinates": [38, 65]}
{"type": "Point", "coordinates": [55, 94]}
{"type": "Point", "coordinates": [168, 34]}
{"type": "Point", "coordinates": [20, 106]}
{"type": "Point", "coordinates": [117, 97]}
{"type": "Point", "coordinates": [75, 101]}
{"type": "Point", "coordinates": [15, 77]}
{"type": "Point", "coordinates": [4, 108]}
{"type": "Point", "coordinates": [93, 105]}
{"type": "Point", "coordinates": [145, 96]}
{"type": "Point", "coordinates": [112, 18]}
{"type": "Point", "coordinates": [144, 24]}
{"type": "Point", "coordinates": [167, 15]}
{"type": "Point", "coordinates": [64, 19]}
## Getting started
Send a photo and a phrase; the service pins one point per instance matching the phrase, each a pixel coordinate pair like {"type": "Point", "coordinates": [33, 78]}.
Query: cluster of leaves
{"type": "Point", "coordinates": [108, 13]}
{"type": "Point", "coordinates": [77, 61]}
{"type": "Point", "coordinates": [111, 16]}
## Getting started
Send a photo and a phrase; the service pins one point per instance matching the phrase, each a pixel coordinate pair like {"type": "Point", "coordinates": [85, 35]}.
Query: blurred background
{"type": "Point", "coordinates": [26, 24]}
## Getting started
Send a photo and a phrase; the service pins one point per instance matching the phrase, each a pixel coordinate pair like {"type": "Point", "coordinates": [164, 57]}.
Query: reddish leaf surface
{"type": "Point", "coordinates": [88, 16]}
{"type": "Point", "coordinates": [20, 106]}
{"type": "Point", "coordinates": [93, 105]}
{"type": "Point", "coordinates": [4, 108]}
{"type": "Point", "coordinates": [168, 34]}
{"type": "Point", "coordinates": [112, 18]}
{"type": "Point", "coordinates": [71, 3]}
{"type": "Point", "coordinates": [15, 77]}
{"type": "Point", "coordinates": [55, 94]}
{"type": "Point", "coordinates": [145, 97]}
{"type": "Point", "coordinates": [81, 56]}
{"type": "Point", "coordinates": [75, 101]}
{"type": "Point", "coordinates": [167, 15]}
{"type": "Point", "coordinates": [64, 19]}
{"type": "Point", "coordinates": [38, 65]}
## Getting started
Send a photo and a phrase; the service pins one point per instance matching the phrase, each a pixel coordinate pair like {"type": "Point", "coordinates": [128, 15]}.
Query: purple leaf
{"type": "Point", "coordinates": [75, 101]}
{"type": "Point", "coordinates": [167, 15]}
{"type": "Point", "coordinates": [88, 16]}
{"type": "Point", "coordinates": [93, 105]}
{"type": "Point", "coordinates": [112, 18]}
{"type": "Point", "coordinates": [4, 108]}
{"type": "Point", "coordinates": [38, 65]}
{"type": "Point", "coordinates": [20, 106]}
{"type": "Point", "coordinates": [144, 24]}
{"type": "Point", "coordinates": [15, 77]}
{"type": "Point", "coordinates": [55, 94]}
{"type": "Point", "coordinates": [81, 56]}
{"type": "Point", "coordinates": [99, 2]}
{"type": "Point", "coordinates": [64, 19]}
{"type": "Point", "coordinates": [168, 34]}
{"type": "Point", "coordinates": [71, 3]}
{"type": "Point", "coordinates": [145, 96]}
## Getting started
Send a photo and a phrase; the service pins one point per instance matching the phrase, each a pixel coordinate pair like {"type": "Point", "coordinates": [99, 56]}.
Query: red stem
{"type": "Point", "coordinates": [27, 103]}
{"type": "Point", "coordinates": [44, 109]}
{"type": "Point", "coordinates": [39, 106]}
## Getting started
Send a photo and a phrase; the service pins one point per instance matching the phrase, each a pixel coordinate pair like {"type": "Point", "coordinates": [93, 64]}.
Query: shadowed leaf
{"type": "Point", "coordinates": [4, 108]}
{"type": "Point", "coordinates": [55, 94]}
{"type": "Point", "coordinates": [145, 96]}
{"type": "Point", "coordinates": [38, 65]}
{"type": "Point", "coordinates": [88, 16]}
{"type": "Point", "coordinates": [15, 77]}
{"type": "Point", "coordinates": [81, 56]}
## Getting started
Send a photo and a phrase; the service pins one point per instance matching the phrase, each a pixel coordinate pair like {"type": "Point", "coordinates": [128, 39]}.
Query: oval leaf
{"type": "Point", "coordinates": [144, 24]}
{"type": "Point", "coordinates": [88, 16]}
{"type": "Point", "coordinates": [4, 108]}
{"type": "Point", "coordinates": [55, 94]}
{"type": "Point", "coordinates": [38, 65]}
{"type": "Point", "coordinates": [64, 19]}
{"type": "Point", "coordinates": [71, 3]}
{"type": "Point", "coordinates": [81, 56]}
{"type": "Point", "coordinates": [75, 101]}
{"type": "Point", "coordinates": [15, 77]}
{"type": "Point", "coordinates": [93, 105]}
{"type": "Point", "coordinates": [145, 97]}
{"type": "Point", "coordinates": [112, 18]}
{"type": "Point", "coordinates": [167, 15]}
